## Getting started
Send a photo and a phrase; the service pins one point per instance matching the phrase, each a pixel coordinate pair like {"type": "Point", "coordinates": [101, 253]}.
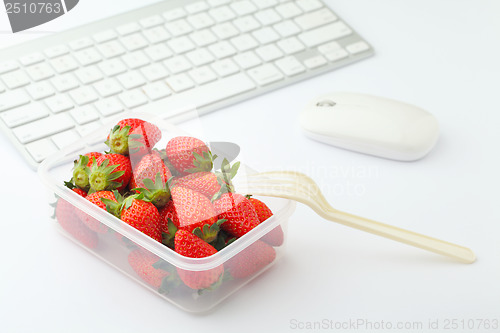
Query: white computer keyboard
{"type": "Point", "coordinates": [160, 58]}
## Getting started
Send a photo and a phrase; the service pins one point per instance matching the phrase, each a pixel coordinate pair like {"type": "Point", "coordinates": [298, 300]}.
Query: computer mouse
{"type": "Point", "coordinates": [372, 125]}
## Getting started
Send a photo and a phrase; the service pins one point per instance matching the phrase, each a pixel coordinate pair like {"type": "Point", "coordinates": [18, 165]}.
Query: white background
{"type": "Point", "coordinates": [443, 56]}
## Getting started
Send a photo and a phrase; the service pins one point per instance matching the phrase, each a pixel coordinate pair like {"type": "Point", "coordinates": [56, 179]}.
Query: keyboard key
{"type": "Point", "coordinates": [200, 57]}
{"type": "Point", "coordinates": [8, 66]}
{"type": "Point", "coordinates": [247, 60]}
{"type": "Point", "coordinates": [56, 51]}
{"type": "Point", "coordinates": [2, 88]}
{"type": "Point", "coordinates": [200, 21]}
{"type": "Point", "coordinates": [133, 98]}
{"type": "Point", "coordinates": [40, 71]}
{"type": "Point", "coordinates": [156, 90]}
{"type": "Point", "coordinates": [224, 30]}
{"type": "Point", "coordinates": [11, 99]}
{"type": "Point", "coordinates": [65, 138]}
{"type": "Point", "coordinates": [109, 106]}
{"type": "Point", "coordinates": [225, 67]}
{"type": "Point", "coordinates": [134, 42]}
{"type": "Point", "coordinates": [178, 28]}
{"type": "Point", "coordinates": [267, 16]}
{"type": "Point", "coordinates": [15, 79]}
{"type": "Point", "coordinates": [132, 79]}
{"type": "Point", "coordinates": [89, 74]}
{"type": "Point", "coordinates": [64, 64]}
{"type": "Point", "coordinates": [177, 64]}
{"type": "Point", "coordinates": [41, 149]}
{"type": "Point", "coordinates": [156, 35]}
{"type": "Point", "coordinates": [180, 44]}
{"type": "Point", "coordinates": [216, 3]}
{"type": "Point", "coordinates": [80, 43]}
{"type": "Point", "coordinates": [244, 42]}
{"type": "Point", "coordinates": [108, 87]}
{"type": "Point", "coordinates": [265, 74]}
{"type": "Point", "coordinates": [290, 45]}
{"type": "Point", "coordinates": [315, 19]}
{"type": "Point", "coordinates": [329, 47]}
{"type": "Point", "coordinates": [203, 37]}
{"type": "Point", "coordinates": [111, 49]}
{"type": "Point", "coordinates": [42, 128]}
{"type": "Point", "coordinates": [174, 14]}
{"type": "Point", "coordinates": [243, 7]}
{"type": "Point", "coordinates": [357, 47]}
{"type": "Point", "coordinates": [309, 5]}
{"type": "Point", "coordinates": [246, 23]}
{"type": "Point", "coordinates": [222, 14]}
{"type": "Point", "coordinates": [336, 55]}
{"type": "Point", "coordinates": [84, 114]}
{"type": "Point", "coordinates": [286, 28]}
{"type": "Point", "coordinates": [158, 52]}
{"type": "Point", "coordinates": [151, 21]}
{"type": "Point", "coordinates": [288, 10]}
{"type": "Point", "coordinates": [86, 129]}
{"type": "Point", "coordinates": [135, 59]}
{"type": "Point", "coordinates": [269, 52]}
{"type": "Point", "coordinates": [112, 67]}
{"type": "Point", "coordinates": [128, 28]}
{"type": "Point", "coordinates": [154, 72]}
{"type": "Point", "coordinates": [24, 114]}
{"type": "Point", "coordinates": [315, 62]}
{"type": "Point", "coordinates": [263, 4]}
{"type": "Point", "coordinates": [196, 7]}
{"type": "Point", "coordinates": [59, 103]}
{"type": "Point", "coordinates": [40, 90]}
{"type": "Point", "coordinates": [31, 59]}
{"type": "Point", "coordinates": [222, 49]}
{"type": "Point", "coordinates": [83, 95]}
{"type": "Point", "coordinates": [290, 66]}
{"type": "Point", "coordinates": [104, 36]}
{"type": "Point", "coordinates": [202, 75]}
{"type": "Point", "coordinates": [324, 34]}
{"type": "Point", "coordinates": [179, 82]}
{"type": "Point", "coordinates": [266, 35]}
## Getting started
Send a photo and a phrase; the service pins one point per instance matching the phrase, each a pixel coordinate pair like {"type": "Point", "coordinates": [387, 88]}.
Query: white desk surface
{"type": "Point", "coordinates": [441, 55]}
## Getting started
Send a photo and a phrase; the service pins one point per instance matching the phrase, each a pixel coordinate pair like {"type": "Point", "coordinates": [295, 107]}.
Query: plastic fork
{"type": "Point", "coordinates": [299, 187]}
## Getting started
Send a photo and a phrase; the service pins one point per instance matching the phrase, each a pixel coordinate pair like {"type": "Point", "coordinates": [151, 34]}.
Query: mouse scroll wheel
{"type": "Point", "coordinates": [326, 102]}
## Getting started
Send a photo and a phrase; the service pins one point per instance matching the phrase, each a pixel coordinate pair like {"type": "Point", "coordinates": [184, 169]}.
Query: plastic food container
{"type": "Point", "coordinates": [122, 243]}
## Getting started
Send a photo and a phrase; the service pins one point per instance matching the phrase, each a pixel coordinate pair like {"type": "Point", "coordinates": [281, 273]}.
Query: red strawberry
{"type": "Point", "coordinates": [274, 237]}
{"type": "Point", "coordinates": [251, 260]}
{"type": "Point", "coordinates": [81, 170]}
{"type": "Point", "coordinates": [238, 212]}
{"type": "Point", "coordinates": [91, 222]}
{"type": "Point", "coordinates": [109, 172]}
{"type": "Point", "coordinates": [168, 228]}
{"type": "Point", "coordinates": [152, 174]}
{"type": "Point", "coordinates": [69, 221]}
{"type": "Point", "coordinates": [204, 182]}
{"type": "Point", "coordinates": [189, 245]}
{"type": "Point", "coordinates": [194, 210]}
{"type": "Point", "coordinates": [134, 211]}
{"type": "Point", "coordinates": [133, 136]}
{"type": "Point", "coordinates": [188, 155]}
{"type": "Point", "coordinates": [143, 263]}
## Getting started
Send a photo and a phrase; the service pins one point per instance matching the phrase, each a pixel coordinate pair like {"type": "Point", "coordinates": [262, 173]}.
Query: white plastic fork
{"type": "Point", "coordinates": [299, 187]}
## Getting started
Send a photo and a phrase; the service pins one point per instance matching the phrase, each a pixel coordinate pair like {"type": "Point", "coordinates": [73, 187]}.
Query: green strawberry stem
{"type": "Point", "coordinates": [118, 140]}
{"type": "Point", "coordinates": [209, 232]}
{"type": "Point", "coordinates": [81, 172]}
{"type": "Point", "coordinates": [155, 192]}
{"type": "Point", "coordinates": [102, 177]}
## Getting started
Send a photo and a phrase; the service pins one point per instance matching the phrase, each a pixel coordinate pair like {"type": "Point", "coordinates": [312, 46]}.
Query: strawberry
{"type": "Point", "coordinates": [81, 169]}
{"type": "Point", "coordinates": [133, 136]}
{"type": "Point", "coordinates": [69, 221]}
{"type": "Point", "coordinates": [168, 228]}
{"type": "Point", "coordinates": [109, 172]}
{"type": "Point", "coordinates": [274, 237]}
{"type": "Point", "coordinates": [204, 182]}
{"type": "Point", "coordinates": [188, 155]}
{"type": "Point", "coordinates": [190, 245]}
{"type": "Point", "coordinates": [251, 260]}
{"type": "Point", "coordinates": [136, 212]}
{"type": "Point", "coordinates": [238, 212]}
{"type": "Point", "coordinates": [152, 174]}
{"type": "Point", "coordinates": [194, 210]}
{"type": "Point", "coordinates": [144, 264]}
{"type": "Point", "coordinates": [91, 222]}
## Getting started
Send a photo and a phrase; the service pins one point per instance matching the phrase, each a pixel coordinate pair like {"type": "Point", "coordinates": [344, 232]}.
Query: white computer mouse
{"type": "Point", "coordinates": [371, 125]}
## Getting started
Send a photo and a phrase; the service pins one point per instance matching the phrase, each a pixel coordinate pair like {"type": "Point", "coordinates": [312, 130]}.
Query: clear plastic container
{"type": "Point", "coordinates": [160, 268]}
